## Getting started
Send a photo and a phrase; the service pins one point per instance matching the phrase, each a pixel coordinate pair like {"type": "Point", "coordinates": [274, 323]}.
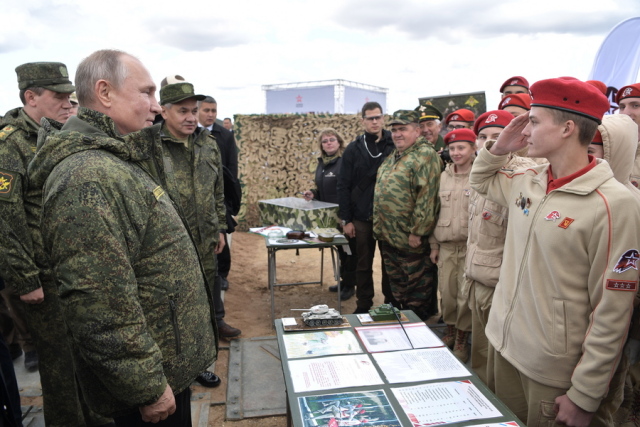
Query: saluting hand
{"type": "Point", "coordinates": [511, 139]}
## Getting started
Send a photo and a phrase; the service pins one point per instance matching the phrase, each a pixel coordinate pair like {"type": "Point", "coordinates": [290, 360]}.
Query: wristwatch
{"type": "Point", "coordinates": [344, 222]}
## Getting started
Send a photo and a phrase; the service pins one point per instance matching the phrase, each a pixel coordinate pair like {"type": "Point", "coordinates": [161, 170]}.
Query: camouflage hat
{"type": "Point", "coordinates": [176, 92]}
{"type": "Point", "coordinates": [48, 75]}
{"type": "Point", "coordinates": [403, 117]}
{"type": "Point", "coordinates": [428, 112]}
{"type": "Point", "coordinates": [173, 78]}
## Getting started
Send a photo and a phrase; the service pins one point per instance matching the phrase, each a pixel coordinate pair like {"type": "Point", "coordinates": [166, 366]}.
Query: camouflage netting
{"type": "Point", "coordinates": [278, 155]}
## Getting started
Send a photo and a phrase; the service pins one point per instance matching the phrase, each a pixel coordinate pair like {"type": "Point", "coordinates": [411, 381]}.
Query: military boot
{"type": "Point", "coordinates": [449, 337]}
{"type": "Point", "coordinates": [461, 346]}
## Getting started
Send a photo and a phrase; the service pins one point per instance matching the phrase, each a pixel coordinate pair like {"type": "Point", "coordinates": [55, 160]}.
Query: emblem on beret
{"type": "Point", "coordinates": [627, 91]}
{"type": "Point", "coordinates": [514, 82]}
{"type": "Point", "coordinates": [628, 261]}
{"type": "Point", "coordinates": [492, 118]}
{"type": "Point", "coordinates": [454, 117]}
{"type": "Point", "coordinates": [506, 101]}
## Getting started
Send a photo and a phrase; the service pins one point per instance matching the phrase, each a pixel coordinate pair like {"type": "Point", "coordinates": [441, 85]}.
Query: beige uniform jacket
{"type": "Point", "coordinates": [487, 231]}
{"type": "Point", "coordinates": [562, 305]}
{"type": "Point", "coordinates": [454, 207]}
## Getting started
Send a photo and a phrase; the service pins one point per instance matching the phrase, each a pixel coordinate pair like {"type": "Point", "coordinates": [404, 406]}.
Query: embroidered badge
{"type": "Point", "coordinates": [492, 118]}
{"type": "Point", "coordinates": [6, 183]}
{"type": "Point", "coordinates": [552, 216]}
{"type": "Point", "coordinates": [523, 203]}
{"type": "Point", "coordinates": [454, 117]}
{"type": "Point", "coordinates": [486, 215]}
{"type": "Point", "coordinates": [627, 91]}
{"type": "Point", "coordinates": [158, 192]}
{"type": "Point", "coordinates": [622, 285]}
{"type": "Point", "coordinates": [627, 261]}
{"type": "Point", "coordinates": [566, 222]}
{"type": "Point", "coordinates": [506, 101]}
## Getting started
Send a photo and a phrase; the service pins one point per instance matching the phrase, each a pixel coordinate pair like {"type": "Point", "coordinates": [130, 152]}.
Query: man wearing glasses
{"type": "Point", "coordinates": [356, 183]}
{"type": "Point", "coordinates": [460, 119]}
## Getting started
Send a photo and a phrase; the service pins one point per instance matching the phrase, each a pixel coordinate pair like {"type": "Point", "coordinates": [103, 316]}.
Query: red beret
{"type": "Point", "coordinates": [495, 118]}
{"type": "Point", "coordinates": [461, 115]}
{"type": "Point", "coordinates": [460, 135]}
{"type": "Point", "coordinates": [630, 91]}
{"type": "Point", "coordinates": [597, 138]}
{"type": "Point", "coordinates": [572, 95]}
{"type": "Point", "coordinates": [601, 86]}
{"type": "Point", "coordinates": [515, 81]}
{"type": "Point", "coordinates": [522, 100]}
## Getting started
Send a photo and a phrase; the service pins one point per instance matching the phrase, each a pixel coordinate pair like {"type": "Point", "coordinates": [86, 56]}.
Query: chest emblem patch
{"type": "Point", "coordinates": [627, 261]}
{"type": "Point", "coordinates": [552, 216]}
{"type": "Point", "coordinates": [566, 223]}
{"type": "Point", "coordinates": [486, 215]}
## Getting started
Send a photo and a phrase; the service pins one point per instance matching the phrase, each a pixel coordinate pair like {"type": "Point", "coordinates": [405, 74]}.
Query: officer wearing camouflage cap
{"type": "Point", "coordinates": [45, 89]}
{"type": "Point", "coordinates": [405, 210]}
{"type": "Point", "coordinates": [195, 184]}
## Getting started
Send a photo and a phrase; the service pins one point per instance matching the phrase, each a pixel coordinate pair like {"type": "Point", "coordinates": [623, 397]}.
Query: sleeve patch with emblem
{"type": "Point", "coordinates": [622, 285]}
{"type": "Point", "coordinates": [6, 183]}
{"type": "Point", "coordinates": [627, 261]}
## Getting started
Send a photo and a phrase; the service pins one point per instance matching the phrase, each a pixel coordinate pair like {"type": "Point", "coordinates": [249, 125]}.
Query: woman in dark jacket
{"type": "Point", "coordinates": [331, 146]}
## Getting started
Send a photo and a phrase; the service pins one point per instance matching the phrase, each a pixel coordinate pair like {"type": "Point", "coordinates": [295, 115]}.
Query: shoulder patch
{"type": "Point", "coordinates": [7, 179]}
{"type": "Point", "coordinates": [628, 261]}
{"type": "Point", "coordinates": [158, 192]}
{"type": "Point", "coordinates": [622, 285]}
{"type": "Point", "coordinates": [6, 131]}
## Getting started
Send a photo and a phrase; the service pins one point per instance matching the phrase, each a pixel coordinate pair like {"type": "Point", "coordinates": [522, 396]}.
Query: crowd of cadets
{"type": "Point", "coordinates": [582, 328]}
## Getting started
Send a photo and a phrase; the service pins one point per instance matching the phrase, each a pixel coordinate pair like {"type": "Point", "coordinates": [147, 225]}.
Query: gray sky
{"type": "Point", "coordinates": [414, 48]}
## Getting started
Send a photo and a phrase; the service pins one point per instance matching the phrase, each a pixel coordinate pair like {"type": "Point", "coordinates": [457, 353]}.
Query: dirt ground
{"type": "Point", "coordinates": [248, 305]}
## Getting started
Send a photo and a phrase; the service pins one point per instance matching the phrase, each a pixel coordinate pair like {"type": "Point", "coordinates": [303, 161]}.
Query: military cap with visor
{"type": "Point", "coordinates": [404, 117]}
{"type": "Point", "coordinates": [428, 112]}
{"type": "Point", "coordinates": [176, 92]}
{"type": "Point", "coordinates": [48, 75]}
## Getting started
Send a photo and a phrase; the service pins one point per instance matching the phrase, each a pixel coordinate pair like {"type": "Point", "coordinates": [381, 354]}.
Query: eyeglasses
{"type": "Point", "coordinates": [374, 118]}
{"type": "Point", "coordinates": [324, 141]}
{"type": "Point", "coordinates": [455, 127]}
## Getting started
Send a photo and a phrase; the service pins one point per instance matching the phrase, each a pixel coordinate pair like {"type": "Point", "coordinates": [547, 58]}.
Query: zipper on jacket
{"type": "Point", "coordinates": [507, 322]}
{"type": "Point", "coordinates": [174, 321]}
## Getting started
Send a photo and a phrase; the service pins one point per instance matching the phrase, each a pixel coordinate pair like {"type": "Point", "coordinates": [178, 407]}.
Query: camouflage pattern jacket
{"type": "Point", "coordinates": [406, 196]}
{"type": "Point", "coordinates": [205, 191]}
{"type": "Point", "coordinates": [131, 286]}
{"type": "Point", "coordinates": [20, 243]}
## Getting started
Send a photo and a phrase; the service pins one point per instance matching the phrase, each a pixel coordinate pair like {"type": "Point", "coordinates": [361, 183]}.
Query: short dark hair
{"type": "Point", "coordinates": [586, 127]}
{"type": "Point", "coordinates": [372, 105]}
{"type": "Point", "coordinates": [37, 90]}
{"type": "Point", "coordinates": [209, 100]}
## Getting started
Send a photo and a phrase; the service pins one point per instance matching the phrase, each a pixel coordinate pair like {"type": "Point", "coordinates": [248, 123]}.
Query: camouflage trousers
{"type": "Point", "coordinates": [63, 404]}
{"type": "Point", "coordinates": [412, 279]}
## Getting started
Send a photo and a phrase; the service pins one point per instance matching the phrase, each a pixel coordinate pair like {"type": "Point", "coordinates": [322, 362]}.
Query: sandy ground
{"type": "Point", "coordinates": [248, 305]}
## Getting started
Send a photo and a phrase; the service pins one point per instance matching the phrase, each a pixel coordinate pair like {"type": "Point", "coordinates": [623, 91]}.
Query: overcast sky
{"type": "Point", "coordinates": [415, 48]}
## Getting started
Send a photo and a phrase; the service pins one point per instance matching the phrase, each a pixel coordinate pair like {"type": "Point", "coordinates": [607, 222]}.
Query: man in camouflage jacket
{"type": "Point", "coordinates": [405, 209]}
{"type": "Point", "coordinates": [131, 286]}
{"type": "Point", "coordinates": [44, 90]}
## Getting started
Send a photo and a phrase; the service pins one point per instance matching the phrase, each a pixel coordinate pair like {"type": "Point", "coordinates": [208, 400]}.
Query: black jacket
{"type": "Point", "coordinates": [229, 157]}
{"type": "Point", "coordinates": [327, 180]}
{"type": "Point", "coordinates": [357, 179]}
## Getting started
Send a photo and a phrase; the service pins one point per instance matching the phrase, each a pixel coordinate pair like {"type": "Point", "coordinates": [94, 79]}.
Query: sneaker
{"type": "Point", "coordinates": [346, 293]}
{"type": "Point", "coordinates": [31, 360]}
{"type": "Point", "coordinates": [227, 331]}
{"type": "Point", "coordinates": [208, 379]}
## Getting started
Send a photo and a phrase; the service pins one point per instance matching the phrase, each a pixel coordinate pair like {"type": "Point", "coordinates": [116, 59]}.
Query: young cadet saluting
{"type": "Point", "coordinates": [562, 306]}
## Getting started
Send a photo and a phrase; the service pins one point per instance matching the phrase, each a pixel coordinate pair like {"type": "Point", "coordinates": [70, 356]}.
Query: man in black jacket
{"type": "Point", "coordinates": [207, 113]}
{"type": "Point", "coordinates": [356, 183]}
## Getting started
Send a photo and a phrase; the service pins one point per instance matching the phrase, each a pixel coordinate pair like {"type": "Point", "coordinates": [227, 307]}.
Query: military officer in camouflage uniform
{"type": "Point", "coordinates": [431, 125]}
{"type": "Point", "coordinates": [131, 286]}
{"type": "Point", "coordinates": [405, 210]}
{"type": "Point", "coordinates": [193, 171]}
{"type": "Point", "coordinates": [44, 91]}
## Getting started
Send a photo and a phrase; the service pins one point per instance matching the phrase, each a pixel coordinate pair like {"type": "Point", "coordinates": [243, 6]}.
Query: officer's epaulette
{"type": "Point", "coordinates": [6, 131]}
{"type": "Point", "coordinates": [212, 137]}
